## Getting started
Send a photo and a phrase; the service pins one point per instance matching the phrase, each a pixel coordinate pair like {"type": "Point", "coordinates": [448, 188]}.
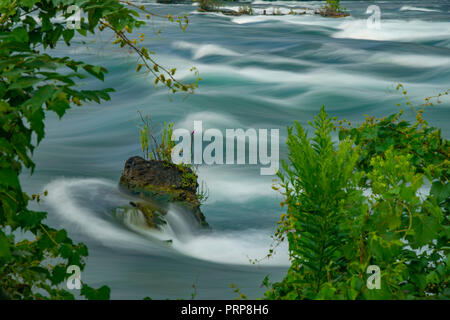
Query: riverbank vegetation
{"type": "Point", "coordinates": [379, 197]}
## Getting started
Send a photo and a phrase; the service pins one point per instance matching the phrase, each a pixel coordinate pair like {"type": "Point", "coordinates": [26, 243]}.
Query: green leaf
{"type": "Point", "coordinates": [59, 106]}
{"type": "Point", "coordinates": [20, 34]}
{"type": "Point", "coordinates": [30, 219]}
{"type": "Point", "coordinates": [82, 32]}
{"type": "Point", "coordinates": [29, 3]}
{"type": "Point", "coordinates": [61, 235]}
{"type": "Point", "coordinates": [96, 71]}
{"type": "Point", "coordinates": [37, 123]}
{"type": "Point", "coordinates": [426, 229]}
{"type": "Point", "coordinates": [103, 293]}
{"type": "Point", "coordinates": [440, 191]}
{"type": "Point", "coordinates": [5, 252]}
{"type": "Point", "coordinates": [43, 94]}
{"type": "Point", "coordinates": [68, 35]}
{"type": "Point", "coordinates": [58, 274]}
{"type": "Point", "coordinates": [9, 178]}
{"type": "Point", "coordinates": [24, 82]}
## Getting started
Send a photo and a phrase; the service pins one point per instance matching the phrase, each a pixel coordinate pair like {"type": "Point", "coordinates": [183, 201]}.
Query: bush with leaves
{"type": "Point", "coordinates": [208, 5]}
{"type": "Point", "coordinates": [154, 148]}
{"type": "Point", "coordinates": [364, 202]}
{"type": "Point", "coordinates": [334, 5]}
{"type": "Point", "coordinates": [32, 82]}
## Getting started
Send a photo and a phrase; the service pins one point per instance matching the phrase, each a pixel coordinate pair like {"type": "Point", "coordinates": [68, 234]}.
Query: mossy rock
{"type": "Point", "coordinates": [159, 183]}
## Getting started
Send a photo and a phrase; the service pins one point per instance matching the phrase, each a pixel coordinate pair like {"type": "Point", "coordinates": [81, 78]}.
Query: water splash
{"type": "Point", "coordinates": [90, 207]}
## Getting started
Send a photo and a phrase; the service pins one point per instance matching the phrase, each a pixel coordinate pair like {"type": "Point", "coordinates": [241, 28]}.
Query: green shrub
{"type": "Point", "coordinates": [153, 147]}
{"type": "Point", "coordinates": [208, 5]}
{"type": "Point", "coordinates": [358, 204]}
{"type": "Point", "coordinates": [334, 5]}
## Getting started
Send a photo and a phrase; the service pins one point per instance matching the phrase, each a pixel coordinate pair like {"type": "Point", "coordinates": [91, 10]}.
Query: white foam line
{"type": "Point", "coordinates": [411, 8]}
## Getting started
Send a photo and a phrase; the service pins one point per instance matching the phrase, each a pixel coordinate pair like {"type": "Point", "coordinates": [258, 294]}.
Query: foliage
{"type": "Point", "coordinates": [241, 296]}
{"type": "Point", "coordinates": [362, 203]}
{"type": "Point", "coordinates": [157, 149]}
{"type": "Point", "coordinates": [208, 5]}
{"type": "Point", "coordinates": [167, 144]}
{"type": "Point", "coordinates": [202, 192]}
{"type": "Point", "coordinates": [334, 5]}
{"type": "Point", "coordinates": [189, 180]}
{"type": "Point", "coordinates": [32, 83]}
{"type": "Point", "coordinates": [160, 149]}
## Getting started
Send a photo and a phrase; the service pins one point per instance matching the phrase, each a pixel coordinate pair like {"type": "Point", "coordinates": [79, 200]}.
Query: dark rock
{"type": "Point", "coordinates": [159, 183]}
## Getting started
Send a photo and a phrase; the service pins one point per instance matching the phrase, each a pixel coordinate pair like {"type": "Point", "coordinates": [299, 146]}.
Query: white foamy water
{"type": "Point", "coordinates": [65, 198]}
{"type": "Point", "coordinates": [234, 247]}
{"type": "Point", "coordinates": [352, 28]}
{"type": "Point", "coordinates": [411, 60]}
{"type": "Point", "coordinates": [411, 8]}
{"type": "Point", "coordinates": [394, 30]}
{"type": "Point", "coordinates": [209, 120]}
{"type": "Point", "coordinates": [203, 50]}
{"type": "Point", "coordinates": [80, 216]}
{"type": "Point", "coordinates": [228, 184]}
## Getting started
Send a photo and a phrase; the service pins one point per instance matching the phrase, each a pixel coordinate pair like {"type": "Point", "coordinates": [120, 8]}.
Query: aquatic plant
{"type": "Point", "coordinates": [334, 5]}
{"type": "Point", "coordinates": [153, 147]}
{"type": "Point", "coordinates": [202, 192]}
{"type": "Point", "coordinates": [160, 148]}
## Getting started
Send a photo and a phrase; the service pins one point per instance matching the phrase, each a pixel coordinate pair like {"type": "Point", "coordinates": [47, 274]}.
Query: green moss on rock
{"type": "Point", "coordinates": [161, 183]}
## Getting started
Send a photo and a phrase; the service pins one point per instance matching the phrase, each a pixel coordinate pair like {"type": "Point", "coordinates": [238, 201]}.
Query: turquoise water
{"type": "Point", "coordinates": [258, 72]}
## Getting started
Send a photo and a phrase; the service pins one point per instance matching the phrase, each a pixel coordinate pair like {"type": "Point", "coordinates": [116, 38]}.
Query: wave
{"type": "Point", "coordinates": [236, 185]}
{"type": "Point", "coordinates": [259, 18]}
{"type": "Point", "coordinates": [411, 8]}
{"type": "Point", "coordinates": [318, 78]}
{"type": "Point", "coordinates": [234, 247]}
{"type": "Point", "coordinates": [411, 60]}
{"type": "Point", "coordinates": [204, 50]}
{"type": "Point", "coordinates": [209, 119]}
{"type": "Point", "coordinates": [394, 30]}
{"type": "Point", "coordinates": [352, 28]}
{"type": "Point", "coordinates": [86, 206]}
{"type": "Point", "coordinates": [88, 216]}
{"type": "Point", "coordinates": [306, 87]}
